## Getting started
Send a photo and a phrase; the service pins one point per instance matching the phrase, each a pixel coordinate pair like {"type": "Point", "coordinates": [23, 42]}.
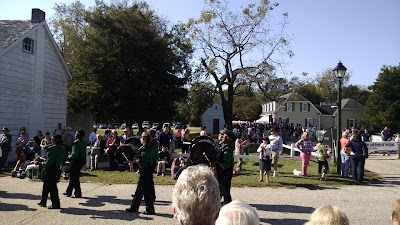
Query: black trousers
{"type": "Point", "coordinates": [224, 177]}
{"type": "Point", "coordinates": [145, 188]}
{"type": "Point", "coordinates": [325, 164]}
{"type": "Point", "coordinates": [74, 182]}
{"type": "Point", "coordinates": [51, 179]}
{"type": "Point", "coordinates": [113, 165]}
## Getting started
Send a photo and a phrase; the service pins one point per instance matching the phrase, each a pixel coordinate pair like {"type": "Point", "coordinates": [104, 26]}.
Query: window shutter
{"type": "Point", "coordinates": [348, 123]}
{"type": "Point", "coordinates": [355, 123]}
{"type": "Point", "coordinates": [305, 123]}
{"type": "Point", "coordinates": [293, 104]}
{"type": "Point", "coordinates": [308, 107]}
{"type": "Point", "coordinates": [286, 106]}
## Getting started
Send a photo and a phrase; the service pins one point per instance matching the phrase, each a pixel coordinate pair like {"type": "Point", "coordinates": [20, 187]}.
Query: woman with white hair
{"type": "Point", "coordinates": [328, 215]}
{"type": "Point", "coordinates": [196, 197]}
{"type": "Point", "coordinates": [237, 213]}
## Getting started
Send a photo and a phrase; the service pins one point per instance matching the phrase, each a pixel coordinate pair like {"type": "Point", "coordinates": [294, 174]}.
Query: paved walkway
{"type": "Point", "coordinates": [105, 204]}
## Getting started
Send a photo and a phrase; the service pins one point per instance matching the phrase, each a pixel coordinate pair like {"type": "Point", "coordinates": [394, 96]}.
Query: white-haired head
{"type": "Point", "coordinates": [237, 213]}
{"type": "Point", "coordinates": [196, 198]}
{"type": "Point", "coordinates": [328, 214]}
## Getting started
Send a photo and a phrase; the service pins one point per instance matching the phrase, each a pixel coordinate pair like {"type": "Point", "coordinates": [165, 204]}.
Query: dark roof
{"type": "Point", "coordinates": [347, 103]}
{"type": "Point", "coordinates": [326, 109]}
{"type": "Point", "coordinates": [293, 97]}
{"type": "Point", "coordinates": [351, 104]}
{"type": "Point", "coordinates": [11, 30]}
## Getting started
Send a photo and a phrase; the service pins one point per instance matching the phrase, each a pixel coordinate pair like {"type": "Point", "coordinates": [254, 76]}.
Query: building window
{"type": "Point", "coordinates": [289, 107]}
{"type": "Point", "coordinates": [304, 107]}
{"type": "Point", "coordinates": [352, 123]}
{"type": "Point", "coordinates": [27, 45]}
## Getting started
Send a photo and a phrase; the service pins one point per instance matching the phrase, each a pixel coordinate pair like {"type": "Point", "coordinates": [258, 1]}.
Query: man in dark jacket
{"type": "Point", "coordinates": [357, 157]}
{"type": "Point", "coordinates": [77, 158]}
{"type": "Point", "coordinates": [5, 145]}
{"type": "Point", "coordinates": [56, 155]}
{"type": "Point", "coordinates": [145, 186]}
{"type": "Point", "coordinates": [225, 164]}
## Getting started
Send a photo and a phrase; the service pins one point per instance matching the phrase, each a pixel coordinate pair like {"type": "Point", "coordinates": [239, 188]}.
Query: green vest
{"type": "Point", "coordinates": [225, 158]}
{"type": "Point", "coordinates": [78, 149]}
{"type": "Point", "coordinates": [145, 154]}
{"type": "Point", "coordinates": [56, 155]}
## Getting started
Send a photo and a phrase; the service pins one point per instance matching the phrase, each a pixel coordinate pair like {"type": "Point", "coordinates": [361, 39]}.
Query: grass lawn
{"type": "Point", "coordinates": [248, 177]}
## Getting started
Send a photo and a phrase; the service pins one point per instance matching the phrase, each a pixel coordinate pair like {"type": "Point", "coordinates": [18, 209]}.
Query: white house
{"type": "Point", "coordinates": [33, 76]}
{"type": "Point", "coordinates": [213, 118]}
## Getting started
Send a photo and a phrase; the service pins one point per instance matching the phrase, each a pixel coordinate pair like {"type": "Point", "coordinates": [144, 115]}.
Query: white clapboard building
{"type": "Point", "coordinates": [213, 118]}
{"type": "Point", "coordinates": [33, 77]}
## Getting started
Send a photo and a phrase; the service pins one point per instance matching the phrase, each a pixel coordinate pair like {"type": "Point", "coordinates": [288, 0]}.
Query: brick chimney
{"type": "Point", "coordinates": [38, 16]}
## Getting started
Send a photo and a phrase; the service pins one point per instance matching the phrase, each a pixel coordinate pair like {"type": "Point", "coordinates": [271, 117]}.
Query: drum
{"type": "Point", "coordinates": [127, 151]}
{"type": "Point", "coordinates": [203, 151]}
{"type": "Point", "coordinates": [34, 172]}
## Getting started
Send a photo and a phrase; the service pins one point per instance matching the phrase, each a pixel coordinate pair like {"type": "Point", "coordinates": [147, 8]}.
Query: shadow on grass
{"type": "Point", "coordinates": [283, 221]}
{"type": "Point", "coordinates": [86, 174]}
{"type": "Point", "coordinates": [14, 207]}
{"type": "Point", "coordinates": [284, 208]}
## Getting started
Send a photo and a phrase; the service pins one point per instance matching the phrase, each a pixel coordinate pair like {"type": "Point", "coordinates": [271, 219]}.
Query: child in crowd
{"type": "Point", "coordinates": [175, 167]}
{"type": "Point", "coordinates": [20, 168]}
{"type": "Point", "coordinates": [322, 156]}
{"type": "Point", "coordinates": [265, 159]}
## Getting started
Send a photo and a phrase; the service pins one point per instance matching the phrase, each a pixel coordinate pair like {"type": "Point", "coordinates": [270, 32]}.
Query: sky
{"type": "Point", "coordinates": [363, 34]}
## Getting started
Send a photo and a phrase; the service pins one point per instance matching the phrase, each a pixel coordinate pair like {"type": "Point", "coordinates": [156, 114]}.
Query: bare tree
{"type": "Point", "coordinates": [241, 47]}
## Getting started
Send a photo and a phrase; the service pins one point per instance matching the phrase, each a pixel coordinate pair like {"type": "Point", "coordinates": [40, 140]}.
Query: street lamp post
{"type": "Point", "coordinates": [340, 70]}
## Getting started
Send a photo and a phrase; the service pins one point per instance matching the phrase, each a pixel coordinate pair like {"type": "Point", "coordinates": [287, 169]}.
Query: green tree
{"type": "Point", "coordinates": [383, 105]}
{"type": "Point", "coordinates": [246, 104]}
{"type": "Point", "coordinates": [200, 97]}
{"type": "Point", "coordinates": [237, 47]}
{"type": "Point", "coordinates": [356, 92]}
{"type": "Point", "coordinates": [327, 84]}
{"type": "Point", "coordinates": [137, 66]}
{"type": "Point", "coordinates": [68, 26]}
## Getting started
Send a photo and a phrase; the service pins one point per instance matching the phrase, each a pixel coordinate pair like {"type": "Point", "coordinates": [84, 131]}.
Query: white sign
{"type": "Point", "coordinates": [381, 147]}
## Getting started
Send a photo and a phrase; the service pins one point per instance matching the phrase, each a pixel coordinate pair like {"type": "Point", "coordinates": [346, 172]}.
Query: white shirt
{"type": "Point", "coordinates": [267, 151]}
{"type": "Point", "coordinates": [276, 142]}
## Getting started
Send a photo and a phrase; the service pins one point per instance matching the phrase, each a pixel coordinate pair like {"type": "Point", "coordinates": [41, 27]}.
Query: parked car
{"type": "Point", "coordinates": [135, 126]}
{"type": "Point", "coordinates": [145, 124]}
{"type": "Point", "coordinates": [155, 125]}
{"type": "Point", "coordinates": [178, 125]}
{"type": "Point", "coordinates": [102, 126]}
{"type": "Point", "coordinates": [123, 126]}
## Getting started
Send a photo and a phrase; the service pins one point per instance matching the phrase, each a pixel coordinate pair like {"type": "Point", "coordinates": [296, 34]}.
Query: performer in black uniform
{"type": "Point", "coordinates": [56, 155]}
{"type": "Point", "coordinates": [225, 164]}
{"type": "Point", "coordinates": [77, 158]}
{"type": "Point", "coordinates": [145, 186]}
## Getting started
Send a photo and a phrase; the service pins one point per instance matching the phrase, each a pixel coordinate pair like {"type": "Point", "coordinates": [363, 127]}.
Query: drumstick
{"type": "Point", "coordinates": [205, 155]}
{"type": "Point", "coordinates": [125, 157]}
